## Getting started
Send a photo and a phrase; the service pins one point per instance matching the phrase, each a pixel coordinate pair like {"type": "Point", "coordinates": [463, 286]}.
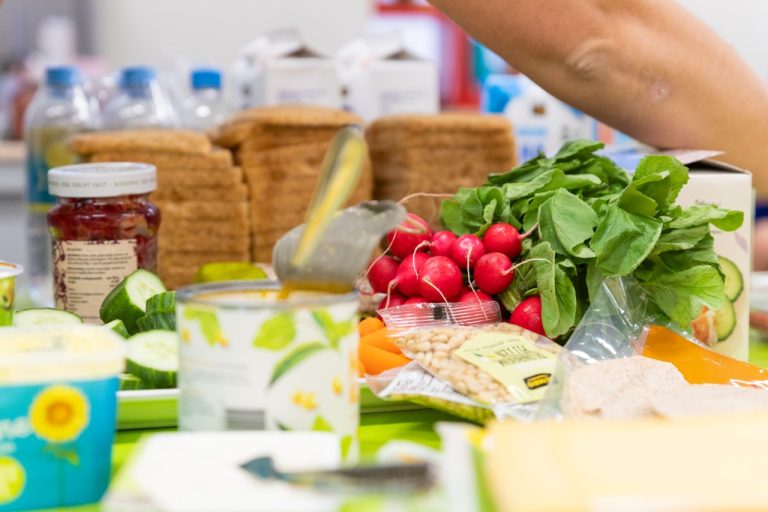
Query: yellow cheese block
{"type": "Point", "coordinates": [712, 464]}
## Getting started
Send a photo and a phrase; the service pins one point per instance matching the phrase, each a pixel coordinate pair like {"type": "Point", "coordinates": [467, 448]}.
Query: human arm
{"type": "Point", "coordinates": [646, 67]}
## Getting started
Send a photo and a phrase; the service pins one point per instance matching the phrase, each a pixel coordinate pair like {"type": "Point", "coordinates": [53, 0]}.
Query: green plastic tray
{"type": "Point", "coordinates": [157, 408]}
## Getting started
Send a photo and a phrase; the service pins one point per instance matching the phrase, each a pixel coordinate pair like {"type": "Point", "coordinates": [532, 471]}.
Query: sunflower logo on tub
{"type": "Point", "coordinates": [59, 414]}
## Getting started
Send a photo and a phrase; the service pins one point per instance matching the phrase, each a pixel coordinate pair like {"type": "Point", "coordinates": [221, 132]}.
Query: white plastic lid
{"type": "Point", "coordinates": [110, 179]}
{"type": "Point", "coordinates": [49, 354]}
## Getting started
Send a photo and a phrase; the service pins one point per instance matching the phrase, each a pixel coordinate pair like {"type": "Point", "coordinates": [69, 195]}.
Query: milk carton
{"type": "Point", "coordinates": [381, 77]}
{"type": "Point", "coordinates": [279, 68]}
{"type": "Point", "coordinates": [726, 186]}
{"type": "Point", "coordinates": [541, 122]}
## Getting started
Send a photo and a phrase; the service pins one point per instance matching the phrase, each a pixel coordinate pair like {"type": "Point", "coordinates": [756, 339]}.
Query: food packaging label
{"type": "Point", "coordinates": [278, 68]}
{"type": "Point", "coordinates": [512, 359]}
{"type": "Point", "coordinates": [381, 77]}
{"type": "Point", "coordinates": [712, 182]}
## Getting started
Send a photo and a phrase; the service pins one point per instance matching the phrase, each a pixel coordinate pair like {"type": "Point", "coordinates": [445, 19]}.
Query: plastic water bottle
{"type": "Point", "coordinates": [59, 109]}
{"type": "Point", "coordinates": [139, 103]}
{"type": "Point", "coordinates": [205, 109]}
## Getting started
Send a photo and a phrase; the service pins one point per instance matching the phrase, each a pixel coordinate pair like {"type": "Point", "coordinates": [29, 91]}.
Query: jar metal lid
{"type": "Point", "coordinates": [108, 179]}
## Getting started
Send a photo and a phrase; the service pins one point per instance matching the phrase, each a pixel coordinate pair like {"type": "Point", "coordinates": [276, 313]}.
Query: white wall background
{"type": "Point", "coordinates": [743, 23]}
{"type": "Point", "coordinates": [213, 31]}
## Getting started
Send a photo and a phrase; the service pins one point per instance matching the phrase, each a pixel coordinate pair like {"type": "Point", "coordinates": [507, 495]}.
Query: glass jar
{"type": "Point", "coordinates": [103, 227]}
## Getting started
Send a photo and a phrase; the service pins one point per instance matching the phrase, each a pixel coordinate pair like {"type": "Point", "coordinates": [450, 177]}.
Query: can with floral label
{"type": "Point", "coordinates": [251, 359]}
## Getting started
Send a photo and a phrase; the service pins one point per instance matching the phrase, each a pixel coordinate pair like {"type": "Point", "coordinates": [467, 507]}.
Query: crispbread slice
{"type": "Point", "coordinates": [211, 210]}
{"type": "Point", "coordinates": [176, 193]}
{"type": "Point", "coordinates": [217, 159]}
{"type": "Point", "coordinates": [706, 399]}
{"type": "Point", "coordinates": [447, 129]}
{"type": "Point", "coordinates": [619, 388]}
{"type": "Point", "coordinates": [191, 241]}
{"type": "Point", "coordinates": [196, 177]}
{"type": "Point", "coordinates": [270, 137]}
{"type": "Point", "coordinates": [251, 122]}
{"type": "Point", "coordinates": [312, 152]}
{"type": "Point", "coordinates": [204, 228]}
{"type": "Point", "coordinates": [169, 141]}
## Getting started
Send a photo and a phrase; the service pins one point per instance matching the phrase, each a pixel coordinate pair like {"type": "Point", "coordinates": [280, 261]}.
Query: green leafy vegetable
{"type": "Point", "coordinates": [595, 221]}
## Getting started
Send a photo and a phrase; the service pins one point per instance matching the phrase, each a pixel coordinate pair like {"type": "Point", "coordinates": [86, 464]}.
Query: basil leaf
{"type": "Point", "coordinates": [558, 296]}
{"type": "Point", "coordinates": [727, 220]}
{"type": "Point", "coordinates": [623, 240]}
{"type": "Point", "coordinates": [680, 294]}
{"type": "Point", "coordinates": [567, 222]}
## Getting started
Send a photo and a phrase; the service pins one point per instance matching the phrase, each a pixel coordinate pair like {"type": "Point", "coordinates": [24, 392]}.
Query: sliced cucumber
{"type": "Point", "coordinates": [725, 320]}
{"type": "Point", "coordinates": [45, 316]}
{"type": "Point", "coordinates": [162, 303]}
{"type": "Point", "coordinates": [734, 280]}
{"type": "Point", "coordinates": [157, 321]}
{"type": "Point", "coordinates": [128, 300]}
{"type": "Point", "coordinates": [153, 357]}
{"type": "Point", "coordinates": [118, 326]}
{"type": "Point", "coordinates": [130, 382]}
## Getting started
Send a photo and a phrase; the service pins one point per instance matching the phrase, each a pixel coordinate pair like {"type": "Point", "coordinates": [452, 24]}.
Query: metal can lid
{"type": "Point", "coordinates": [109, 179]}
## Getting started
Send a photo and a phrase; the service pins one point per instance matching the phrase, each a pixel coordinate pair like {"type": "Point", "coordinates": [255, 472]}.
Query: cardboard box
{"type": "Point", "coordinates": [726, 186]}
{"type": "Point", "coordinates": [279, 68]}
{"type": "Point", "coordinates": [381, 77]}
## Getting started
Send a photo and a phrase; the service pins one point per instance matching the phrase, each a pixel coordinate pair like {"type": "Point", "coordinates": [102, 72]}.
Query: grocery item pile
{"type": "Point", "coordinates": [436, 154]}
{"type": "Point", "coordinates": [280, 150]}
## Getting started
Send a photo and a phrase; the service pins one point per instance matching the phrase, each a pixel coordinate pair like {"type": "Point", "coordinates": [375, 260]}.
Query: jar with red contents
{"type": "Point", "coordinates": [103, 227]}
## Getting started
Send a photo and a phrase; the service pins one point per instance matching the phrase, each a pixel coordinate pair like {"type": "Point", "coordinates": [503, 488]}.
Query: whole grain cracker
{"type": "Point", "coordinates": [167, 141]}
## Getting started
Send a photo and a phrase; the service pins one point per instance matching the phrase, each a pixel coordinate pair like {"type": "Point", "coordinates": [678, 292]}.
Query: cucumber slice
{"type": "Point", "coordinates": [153, 357]}
{"type": "Point", "coordinates": [118, 326]}
{"type": "Point", "coordinates": [45, 316]}
{"type": "Point", "coordinates": [734, 280]}
{"type": "Point", "coordinates": [128, 300]}
{"type": "Point", "coordinates": [229, 271]}
{"type": "Point", "coordinates": [157, 321]}
{"type": "Point", "coordinates": [725, 320]}
{"type": "Point", "coordinates": [130, 382]}
{"type": "Point", "coordinates": [161, 303]}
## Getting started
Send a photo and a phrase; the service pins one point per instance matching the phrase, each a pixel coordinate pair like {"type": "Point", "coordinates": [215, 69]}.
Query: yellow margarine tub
{"type": "Point", "coordinates": [57, 414]}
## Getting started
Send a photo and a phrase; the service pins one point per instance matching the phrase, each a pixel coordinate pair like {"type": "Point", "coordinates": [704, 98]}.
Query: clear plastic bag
{"type": "Point", "coordinates": [622, 323]}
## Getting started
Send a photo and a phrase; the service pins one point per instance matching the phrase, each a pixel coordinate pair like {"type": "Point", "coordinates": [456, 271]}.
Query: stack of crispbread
{"type": "Point", "coordinates": [280, 150]}
{"type": "Point", "coordinates": [436, 154]}
{"type": "Point", "coordinates": [201, 195]}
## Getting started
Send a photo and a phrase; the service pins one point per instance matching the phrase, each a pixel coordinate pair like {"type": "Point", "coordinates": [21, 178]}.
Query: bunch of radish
{"type": "Point", "coordinates": [425, 266]}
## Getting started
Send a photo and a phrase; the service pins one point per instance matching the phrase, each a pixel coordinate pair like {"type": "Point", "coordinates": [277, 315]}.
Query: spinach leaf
{"type": "Point", "coordinates": [660, 178]}
{"type": "Point", "coordinates": [623, 240]}
{"type": "Point", "coordinates": [680, 239]}
{"type": "Point", "coordinates": [558, 296]}
{"type": "Point", "coordinates": [681, 294]}
{"type": "Point", "coordinates": [727, 220]}
{"type": "Point", "coordinates": [567, 222]}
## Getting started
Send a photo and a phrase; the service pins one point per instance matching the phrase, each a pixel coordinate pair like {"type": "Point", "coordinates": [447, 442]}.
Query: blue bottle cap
{"type": "Point", "coordinates": [136, 76]}
{"type": "Point", "coordinates": [62, 76]}
{"type": "Point", "coordinates": [206, 78]}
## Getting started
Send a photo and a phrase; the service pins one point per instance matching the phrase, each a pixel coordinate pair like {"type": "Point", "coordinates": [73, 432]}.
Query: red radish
{"type": "Point", "coordinates": [467, 247]}
{"type": "Point", "coordinates": [471, 297]}
{"type": "Point", "coordinates": [527, 315]}
{"type": "Point", "coordinates": [494, 272]}
{"type": "Point", "coordinates": [404, 239]}
{"type": "Point", "coordinates": [417, 300]}
{"type": "Point", "coordinates": [408, 273]}
{"type": "Point", "coordinates": [464, 289]}
{"type": "Point", "coordinates": [440, 279]}
{"type": "Point", "coordinates": [395, 299]}
{"type": "Point", "coordinates": [503, 238]}
{"type": "Point", "coordinates": [381, 272]}
{"type": "Point", "coordinates": [441, 243]}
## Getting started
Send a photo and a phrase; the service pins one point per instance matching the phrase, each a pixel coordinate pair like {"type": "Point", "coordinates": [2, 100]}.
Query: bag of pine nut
{"type": "Point", "coordinates": [494, 366]}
